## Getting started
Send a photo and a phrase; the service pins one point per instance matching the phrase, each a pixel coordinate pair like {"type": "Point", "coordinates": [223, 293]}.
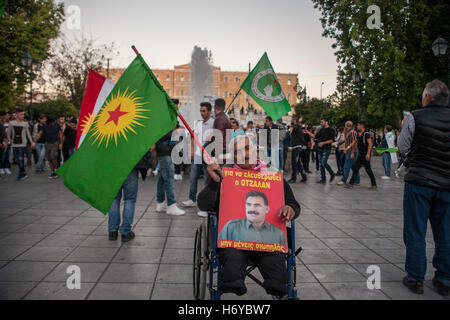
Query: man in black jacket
{"type": "Point", "coordinates": [425, 139]}
{"type": "Point", "coordinates": [234, 262]}
{"type": "Point", "coordinates": [298, 145]}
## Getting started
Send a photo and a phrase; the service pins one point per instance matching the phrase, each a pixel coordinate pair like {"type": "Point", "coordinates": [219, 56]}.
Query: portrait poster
{"type": "Point", "coordinates": [250, 202]}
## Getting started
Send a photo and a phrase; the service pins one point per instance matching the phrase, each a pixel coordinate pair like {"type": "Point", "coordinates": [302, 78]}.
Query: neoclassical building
{"type": "Point", "coordinates": [177, 83]}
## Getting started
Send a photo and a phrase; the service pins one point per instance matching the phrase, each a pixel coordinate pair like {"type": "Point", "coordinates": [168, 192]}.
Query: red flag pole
{"type": "Point", "coordinates": [205, 153]}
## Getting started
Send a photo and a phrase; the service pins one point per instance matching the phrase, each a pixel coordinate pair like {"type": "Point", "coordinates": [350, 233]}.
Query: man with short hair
{"type": "Point", "coordinates": [297, 144]}
{"type": "Point", "coordinates": [254, 228]}
{"type": "Point", "coordinates": [386, 156]}
{"type": "Point", "coordinates": [222, 123]}
{"type": "Point", "coordinates": [234, 262]}
{"type": "Point", "coordinates": [198, 167]}
{"type": "Point", "coordinates": [3, 142]}
{"type": "Point", "coordinates": [19, 135]}
{"type": "Point", "coordinates": [4, 159]}
{"type": "Point", "coordinates": [53, 136]}
{"type": "Point", "coordinates": [365, 143]}
{"type": "Point", "coordinates": [40, 143]}
{"type": "Point", "coordinates": [351, 153]}
{"type": "Point", "coordinates": [324, 139]}
{"type": "Point", "coordinates": [424, 139]}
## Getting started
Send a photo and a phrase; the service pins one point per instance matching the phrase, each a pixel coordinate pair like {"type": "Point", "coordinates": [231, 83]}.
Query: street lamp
{"type": "Point", "coordinates": [358, 78]}
{"type": "Point", "coordinates": [440, 49]}
{"type": "Point", "coordinates": [321, 85]}
{"type": "Point", "coordinates": [33, 65]}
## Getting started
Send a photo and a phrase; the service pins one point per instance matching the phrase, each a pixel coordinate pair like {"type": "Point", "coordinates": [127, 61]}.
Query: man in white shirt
{"type": "Point", "coordinates": [198, 166]}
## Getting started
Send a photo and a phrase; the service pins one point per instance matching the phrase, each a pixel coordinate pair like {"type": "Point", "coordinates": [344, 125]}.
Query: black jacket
{"type": "Point", "coordinates": [429, 157]}
{"type": "Point", "coordinates": [165, 145]}
{"type": "Point", "coordinates": [209, 198]}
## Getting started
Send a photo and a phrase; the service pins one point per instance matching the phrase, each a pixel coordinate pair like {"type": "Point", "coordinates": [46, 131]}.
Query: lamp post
{"type": "Point", "coordinates": [321, 85]}
{"type": "Point", "coordinates": [33, 65]}
{"type": "Point", "coordinates": [440, 49]}
{"type": "Point", "coordinates": [358, 78]}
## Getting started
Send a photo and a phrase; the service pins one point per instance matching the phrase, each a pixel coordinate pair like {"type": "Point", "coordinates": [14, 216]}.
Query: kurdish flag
{"type": "Point", "coordinates": [98, 89]}
{"type": "Point", "coordinates": [263, 86]}
{"type": "Point", "coordinates": [136, 114]}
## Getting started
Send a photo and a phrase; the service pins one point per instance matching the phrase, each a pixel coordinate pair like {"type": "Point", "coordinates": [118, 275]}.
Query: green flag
{"type": "Point", "coordinates": [383, 150]}
{"type": "Point", "coordinates": [263, 86]}
{"type": "Point", "coordinates": [136, 114]}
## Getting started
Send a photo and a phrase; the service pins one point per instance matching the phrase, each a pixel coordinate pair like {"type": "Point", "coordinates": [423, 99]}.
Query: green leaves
{"type": "Point", "coordinates": [26, 26]}
{"type": "Point", "coordinates": [397, 59]}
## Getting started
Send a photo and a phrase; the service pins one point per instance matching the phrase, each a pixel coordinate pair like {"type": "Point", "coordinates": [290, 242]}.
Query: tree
{"type": "Point", "coordinates": [26, 26]}
{"type": "Point", "coordinates": [56, 108]}
{"type": "Point", "coordinates": [396, 58]}
{"type": "Point", "coordinates": [68, 68]}
{"type": "Point", "coordinates": [312, 110]}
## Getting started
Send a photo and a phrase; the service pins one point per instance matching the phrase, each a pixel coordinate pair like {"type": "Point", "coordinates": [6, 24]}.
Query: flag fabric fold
{"type": "Point", "coordinates": [98, 89]}
{"type": "Point", "coordinates": [263, 86]}
{"type": "Point", "coordinates": [136, 114]}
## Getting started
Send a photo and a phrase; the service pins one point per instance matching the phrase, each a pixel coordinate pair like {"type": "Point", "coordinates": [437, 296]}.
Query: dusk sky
{"type": "Point", "coordinates": [237, 33]}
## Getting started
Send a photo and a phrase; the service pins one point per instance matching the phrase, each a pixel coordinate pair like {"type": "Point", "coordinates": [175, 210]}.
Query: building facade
{"type": "Point", "coordinates": [226, 84]}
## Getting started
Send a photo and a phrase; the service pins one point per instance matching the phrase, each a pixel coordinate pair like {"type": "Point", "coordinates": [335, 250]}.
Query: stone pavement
{"type": "Point", "coordinates": [44, 228]}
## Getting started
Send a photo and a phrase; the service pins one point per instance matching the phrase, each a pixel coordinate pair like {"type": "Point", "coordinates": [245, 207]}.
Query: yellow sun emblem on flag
{"type": "Point", "coordinates": [118, 118]}
{"type": "Point", "coordinates": [87, 123]}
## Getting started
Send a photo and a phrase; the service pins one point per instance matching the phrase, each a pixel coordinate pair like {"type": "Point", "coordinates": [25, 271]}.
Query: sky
{"type": "Point", "coordinates": [237, 32]}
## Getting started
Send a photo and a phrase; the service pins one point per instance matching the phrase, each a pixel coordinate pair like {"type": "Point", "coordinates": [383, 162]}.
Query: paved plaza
{"type": "Point", "coordinates": [44, 228]}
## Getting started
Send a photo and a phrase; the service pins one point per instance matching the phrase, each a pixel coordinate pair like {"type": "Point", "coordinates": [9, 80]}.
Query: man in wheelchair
{"type": "Point", "coordinates": [272, 265]}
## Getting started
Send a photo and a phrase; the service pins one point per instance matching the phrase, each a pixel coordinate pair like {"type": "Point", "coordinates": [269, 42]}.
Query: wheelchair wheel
{"type": "Point", "coordinates": [200, 263]}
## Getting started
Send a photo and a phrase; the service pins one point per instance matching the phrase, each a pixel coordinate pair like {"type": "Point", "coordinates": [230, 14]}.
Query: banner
{"type": "Point", "coordinates": [248, 214]}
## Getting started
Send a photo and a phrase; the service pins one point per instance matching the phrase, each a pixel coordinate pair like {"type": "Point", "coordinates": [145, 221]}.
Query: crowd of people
{"type": "Point", "coordinates": [47, 138]}
{"type": "Point", "coordinates": [423, 143]}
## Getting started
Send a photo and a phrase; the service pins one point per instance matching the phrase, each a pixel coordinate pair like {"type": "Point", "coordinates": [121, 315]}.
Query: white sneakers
{"type": "Point", "coordinates": [173, 210]}
{"type": "Point", "coordinates": [2, 171]}
{"type": "Point", "coordinates": [161, 207]}
{"type": "Point", "coordinates": [385, 178]}
{"type": "Point", "coordinates": [202, 214]}
{"type": "Point", "coordinates": [189, 203]}
{"type": "Point", "coordinates": [178, 177]}
{"type": "Point", "coordinates": [5, 171]}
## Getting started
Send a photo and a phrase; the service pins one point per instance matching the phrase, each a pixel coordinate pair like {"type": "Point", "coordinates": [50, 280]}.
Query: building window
{"type": "Point", "coordinates": [289, 97]}
{"type": "Point", "coordinates": [225, 79]}
{"type": "Point", "coordinates": [167, 77]}
{"type": "Point", "coordinates": [289, 82]}
{"type": "Point", "coordinates": [168, 92]}
{"type": "Point", "coordinates": [182, 77]}
{"type": "Point", "coordinates": [237, 80]}
{"type": "Point", "coordinates": [182, 93]}
{"type": "Point", "coordinates": [225, 94]}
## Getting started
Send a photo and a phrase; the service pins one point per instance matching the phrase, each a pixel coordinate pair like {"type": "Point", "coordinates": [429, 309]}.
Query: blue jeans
{"type": "Point", "coordinates": [129, 190]}
{"type": "Point", "coordinates": [347, 166]}
{"type": "Point", "coordinates": [19, 153]}
{"type": "Point", "coordinates": [281, 157]}
{"type": "Point", "coordinates": [421, 204]}
{"type": "Point", "coordinates": [387, 163]}
{"type": "Point", "coordinates": [40, 149]}
{"type": "Point", "coordinates": [165, 181]}
{"type": "Point", "coordinates": [196, 171]}
{"type": "Point", "coordinates": [4, 160]}
{"type": "Point", "coordinates": [340, 160]}
{"type": "Point", "coordinates": [323, 161]}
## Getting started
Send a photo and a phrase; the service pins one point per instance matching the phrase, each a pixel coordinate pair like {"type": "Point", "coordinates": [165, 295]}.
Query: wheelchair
{"type": "Point", "coordinates": [207, 266]}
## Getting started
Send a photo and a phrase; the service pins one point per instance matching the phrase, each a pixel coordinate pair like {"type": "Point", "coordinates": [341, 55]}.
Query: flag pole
{"type": "Point", "coordinates": [199, 144]}
{"type": "Point", "coordinates": [226, 110]}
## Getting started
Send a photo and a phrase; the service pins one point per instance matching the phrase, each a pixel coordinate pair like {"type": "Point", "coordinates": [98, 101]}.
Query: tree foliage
{"type": "Point", "coordinates": [67, 70]}
{"type": "Point", "coordinates": [55, 108]}
{"type": "Point", "coordinates": [26, 26]}
{"type": "Point", "coordinates": [396, 59]}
